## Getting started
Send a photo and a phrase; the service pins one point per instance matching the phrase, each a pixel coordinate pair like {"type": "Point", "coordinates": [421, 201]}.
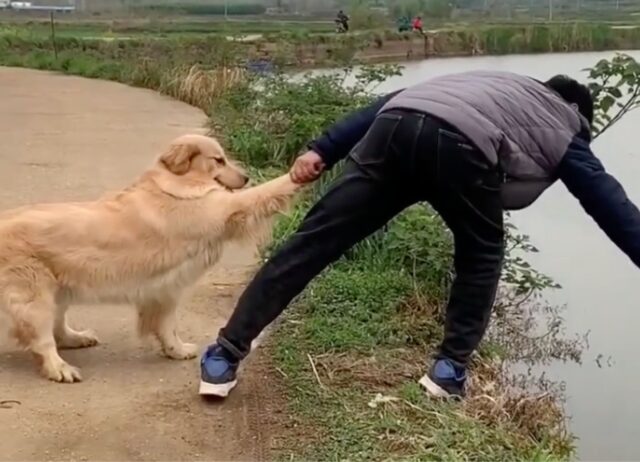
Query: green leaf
{"type": "Point", "coordinates": [606, 103]}
{"type": "Point", "coordinates": [615, 92]}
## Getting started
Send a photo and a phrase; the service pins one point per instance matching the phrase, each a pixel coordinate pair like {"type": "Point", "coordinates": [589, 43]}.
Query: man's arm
{"type": "Point", "coordinates": [602, 197]}
{"type": "Point", "coordinates": [338, 140]}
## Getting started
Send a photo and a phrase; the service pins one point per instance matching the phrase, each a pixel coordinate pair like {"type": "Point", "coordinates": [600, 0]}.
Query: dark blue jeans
{"type": "Point", "coordinates": [405, 158]}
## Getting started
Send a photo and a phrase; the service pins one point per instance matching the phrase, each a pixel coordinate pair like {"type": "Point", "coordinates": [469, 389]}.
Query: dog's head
{"type": "Point", "coordinates": [197, 158]}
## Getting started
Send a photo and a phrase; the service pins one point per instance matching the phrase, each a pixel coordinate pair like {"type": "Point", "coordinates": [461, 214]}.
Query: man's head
{"type": "Point", "coordinates": [574, 93]}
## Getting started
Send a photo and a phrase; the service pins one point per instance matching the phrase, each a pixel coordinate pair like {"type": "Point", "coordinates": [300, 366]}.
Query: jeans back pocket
{"type": "Point", "coordinates": [374, 147]}
{"type": "Point", "coordinates": [462, 165]}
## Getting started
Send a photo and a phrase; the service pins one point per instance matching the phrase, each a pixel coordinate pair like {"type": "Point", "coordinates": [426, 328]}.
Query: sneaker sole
{"type": "Point", "coordinates": [433, 388]}
{"type": "Point", "coordinates": [221, 390]}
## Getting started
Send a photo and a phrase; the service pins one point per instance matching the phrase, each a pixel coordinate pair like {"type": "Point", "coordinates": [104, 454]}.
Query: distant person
{"type": "Point", "coordinates": [343, 21]}
{"type": "Point", "coordinates": [418, 25]}
{"type": "Point", "coordinates": [472, 145]}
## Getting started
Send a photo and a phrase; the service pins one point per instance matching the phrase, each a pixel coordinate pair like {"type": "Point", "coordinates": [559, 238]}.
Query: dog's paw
{"type": "Point", "coordinates": [75, 340]}
{"type": "Point", "coordinates": [62, 373]}
{"type": "Point", "coordinates": [182, 351]}
{"type": "Point", "coordinates": [289, 186]}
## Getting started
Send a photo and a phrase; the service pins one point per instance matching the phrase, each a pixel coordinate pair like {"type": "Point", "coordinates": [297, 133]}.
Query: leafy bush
{"type": "Point", "coordinates": [364, 17]}
{"type": "Point", "coordinates": [266, 122]}
{"type": "Point", "coordinates": [615, 85]}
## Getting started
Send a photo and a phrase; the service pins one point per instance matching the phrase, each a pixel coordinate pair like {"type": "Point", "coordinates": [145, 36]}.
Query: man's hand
{"type": "Point", "coordinates": [307, 168]}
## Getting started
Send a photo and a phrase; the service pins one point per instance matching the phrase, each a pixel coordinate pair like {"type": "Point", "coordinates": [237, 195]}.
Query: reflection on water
{"type": "Point", "coordinates": [600, 285]}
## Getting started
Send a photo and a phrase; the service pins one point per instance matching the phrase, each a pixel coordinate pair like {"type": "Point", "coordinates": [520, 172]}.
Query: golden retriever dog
{"type": "Point", "coordinates": [143, 246]}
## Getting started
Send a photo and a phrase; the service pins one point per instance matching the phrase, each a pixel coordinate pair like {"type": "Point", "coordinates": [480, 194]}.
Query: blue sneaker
{"type": "Point", "coordinates": [445, 379]}
{"type": "Point", "coordinates": [218, 372]}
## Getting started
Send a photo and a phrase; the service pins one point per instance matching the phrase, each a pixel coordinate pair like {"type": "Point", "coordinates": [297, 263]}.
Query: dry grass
{"type": "Point", "coordinates": [200, 87]}
{"type": "Point", "coordinates": [493, 396]}
{"type": "Point", "coordinates": [376, 397]}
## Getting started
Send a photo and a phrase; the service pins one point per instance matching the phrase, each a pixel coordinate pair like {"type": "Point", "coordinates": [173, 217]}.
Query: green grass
{"type": "Point", "coordinates": [186, 8]}
{"type": "Point", "coordinates": [365, 329]}
{"type": "Point", "coordinates": [534, 38]}
{"type": "Point", "coordinates": [139, 62]}
{"type": "Point", "coordinates": [162, 28]}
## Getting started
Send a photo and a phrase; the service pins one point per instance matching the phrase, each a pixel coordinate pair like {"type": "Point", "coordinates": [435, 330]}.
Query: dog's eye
{"type": "Point", "coordinates": [220, 160]}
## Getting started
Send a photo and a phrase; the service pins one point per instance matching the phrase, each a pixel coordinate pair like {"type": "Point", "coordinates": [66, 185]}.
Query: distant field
{"type": "Point", "coordinates": [191, 26]}
{"type": "Point", "coordinates": [178, 26]}
{"type": "Point", "coordinates": [293, 43]}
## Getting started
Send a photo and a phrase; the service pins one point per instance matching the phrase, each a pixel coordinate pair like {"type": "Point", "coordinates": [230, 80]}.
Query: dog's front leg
{"type": "Point", "coordinates": [159, 317]}
{"type": "Point", "coordinates": [251, 209]}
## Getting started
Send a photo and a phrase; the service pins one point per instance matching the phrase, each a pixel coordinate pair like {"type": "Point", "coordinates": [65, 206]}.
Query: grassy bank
{"type": "Point", "coordinates": [352, 347]}
{"type": "Point", "coordinates": [209, 45]}
{"type": "Point", "coordinates": [194, 71]}
{"type": "Point", "coordinates": [350, 350]}
{"type": "Point", "coordinates": [164, 28]}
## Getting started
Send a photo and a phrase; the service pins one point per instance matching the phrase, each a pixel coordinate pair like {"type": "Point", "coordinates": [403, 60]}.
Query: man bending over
{"type": "Point", "coordinates": [472, 145]}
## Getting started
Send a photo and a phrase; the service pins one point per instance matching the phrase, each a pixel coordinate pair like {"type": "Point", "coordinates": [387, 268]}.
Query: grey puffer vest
{"type": "Point", "coordinates": [516, 121]}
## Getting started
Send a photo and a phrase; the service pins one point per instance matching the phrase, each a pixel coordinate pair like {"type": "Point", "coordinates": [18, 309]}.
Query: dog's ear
{"type": "Point", "coordinates": [178, 157]}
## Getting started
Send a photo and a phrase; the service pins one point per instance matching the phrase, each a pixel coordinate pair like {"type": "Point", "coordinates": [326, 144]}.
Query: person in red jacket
{"type": "Point", "coordinates": [417, 24]}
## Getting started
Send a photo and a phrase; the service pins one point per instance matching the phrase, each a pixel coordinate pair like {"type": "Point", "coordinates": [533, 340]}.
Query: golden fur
{"type": "Point", "coordinates": [144, 246]}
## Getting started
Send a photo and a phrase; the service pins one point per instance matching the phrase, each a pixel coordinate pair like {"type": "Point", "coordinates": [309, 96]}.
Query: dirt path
{"type": "Point", "coordinates": [66, 138]}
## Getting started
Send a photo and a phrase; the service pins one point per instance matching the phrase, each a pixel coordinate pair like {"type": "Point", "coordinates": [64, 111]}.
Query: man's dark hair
{"type": "Point", "coordinates": [573, 92]}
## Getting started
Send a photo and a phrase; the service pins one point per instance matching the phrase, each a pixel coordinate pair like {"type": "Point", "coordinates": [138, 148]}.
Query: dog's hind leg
{"type": "Point", "coordinates": [32, 308]}
{"type": "Point", "coordinates": [66, 337]}
{"type": "Point", "coordinates": [159, 317]}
